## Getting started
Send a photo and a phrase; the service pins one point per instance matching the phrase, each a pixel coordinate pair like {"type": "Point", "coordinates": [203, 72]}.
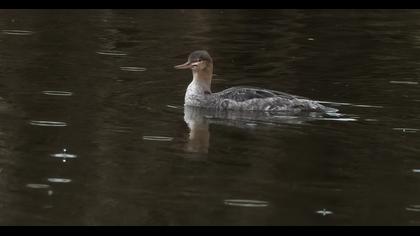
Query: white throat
{"type": "Point", "coordinates": [199, 87]}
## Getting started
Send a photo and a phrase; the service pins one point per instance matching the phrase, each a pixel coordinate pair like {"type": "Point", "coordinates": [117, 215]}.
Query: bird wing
{"type": "Point", "coordinates": [240, 94]}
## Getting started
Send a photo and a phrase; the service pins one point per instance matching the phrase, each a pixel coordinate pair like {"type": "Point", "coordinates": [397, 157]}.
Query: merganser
{"type": "Point", "coordinates": [241, 98]}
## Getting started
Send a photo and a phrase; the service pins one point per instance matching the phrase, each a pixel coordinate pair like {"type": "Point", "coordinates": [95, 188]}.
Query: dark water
{"type": "Point", "coordinates": [101, 85]}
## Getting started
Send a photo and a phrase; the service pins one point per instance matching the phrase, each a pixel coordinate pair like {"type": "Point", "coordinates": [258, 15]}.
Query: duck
{"type": "Point", "coordinates": [239, 98]}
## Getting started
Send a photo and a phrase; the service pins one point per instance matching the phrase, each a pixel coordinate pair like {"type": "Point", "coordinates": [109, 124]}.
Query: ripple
{"type": "Point", "coordinates": [17, 32]}
{"type": "Point", "coordinates": [47, 123]}
{"type": "Point", "coordinates": [324, 212]}
{"type": "Point", "coordinates": [415, 208]}
{"type": "Point", "coordinates": [112, 53]}
{"type": "Point", "coordinates": [406, 130]}
{"type": "Point", "coordinates": [219, 80]}
{"type": "Point", "coordinates": [38, 186]}
{"type": "Point", "coordinates": [174, 107]}
{"type": "Point", "coordinates": [158, 138]}
{"type": "Point", "coordinates": [133, 69]}
{"type": "Point", "coordinates": [245, 203]}
{"type": "Point", "coordinates": [64, 155]}
{"type": "Point", "coordinates": [368, 106]}
{"type": "Point", "coordinates": [403, 82]}
{"type": "Point", "coordinates": [251, 124]}
{"type": "Point", "coordinates": [57, 93]}
{"type": "Point", "coordinates": [338, 119]}
{"type": "Point", "coordinates": [121, 129]}
{"type": "Point", "coordinates": [350, 104]}
{"type": "Point", "coordinates": [59, 180]}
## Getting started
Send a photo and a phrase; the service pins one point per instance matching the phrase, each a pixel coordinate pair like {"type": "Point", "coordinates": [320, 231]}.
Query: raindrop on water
{"type": "Point", "coordinates": [324, 212]}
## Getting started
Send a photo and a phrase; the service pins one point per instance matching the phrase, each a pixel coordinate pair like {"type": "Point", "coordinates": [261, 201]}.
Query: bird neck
{"type": "Point", "coordinates": [201, 84]}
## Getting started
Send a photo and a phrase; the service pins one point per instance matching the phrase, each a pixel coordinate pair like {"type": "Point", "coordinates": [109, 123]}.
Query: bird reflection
{"type": "Point", "coordinates": [199, 136]}
{"type": "Point", "coordinates": [198, 121]}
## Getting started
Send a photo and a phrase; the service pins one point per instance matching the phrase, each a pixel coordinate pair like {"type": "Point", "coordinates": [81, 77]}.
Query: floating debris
{"type": "Point", "coordinates": [47, 123]}
{"type": "Point", "coordinates": [403, 82]}
{"type": "Point", "coordinates": [311, 39]}
{"type": "Point", "coordinates": [245, 203]}
{"type": "Point", "coordinates": [158, 138]}
{"type": "Point", "coordinates": [416, 170]}
{"type": "Point", "coordinates": [134, 69]}
{"type": "Point", "coordinates": [57, 93]}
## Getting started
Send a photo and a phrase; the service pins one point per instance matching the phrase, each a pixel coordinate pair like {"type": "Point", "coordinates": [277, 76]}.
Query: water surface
{"type": "Point", "coordinates": [93, 130]}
